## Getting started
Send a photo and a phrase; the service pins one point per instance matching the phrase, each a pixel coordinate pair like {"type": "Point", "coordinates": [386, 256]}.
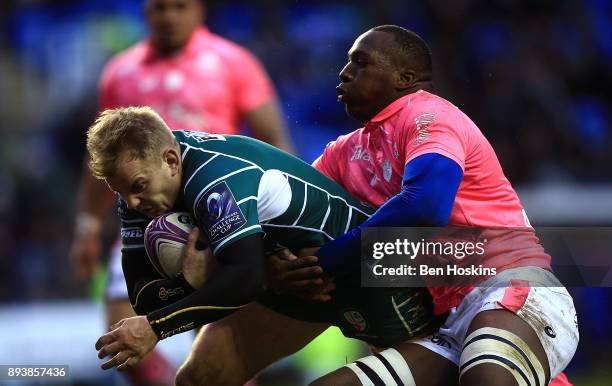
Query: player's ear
{"type": "Point", "coordinates": [404, 78]}
{"type": "Point", "coordinates": [172, 157]}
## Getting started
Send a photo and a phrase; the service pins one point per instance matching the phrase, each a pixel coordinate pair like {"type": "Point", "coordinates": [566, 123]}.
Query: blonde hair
{"type": "Point", "coordinates": [140, 131]}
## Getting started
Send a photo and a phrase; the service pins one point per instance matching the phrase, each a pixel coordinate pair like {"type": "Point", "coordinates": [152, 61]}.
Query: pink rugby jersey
{"type": "Point", "coordinates": [207, 86]}
{"type": "Point", "coordinates": [370, 163]}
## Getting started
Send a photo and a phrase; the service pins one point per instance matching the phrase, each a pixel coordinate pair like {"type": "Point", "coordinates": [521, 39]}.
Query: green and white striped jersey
{"type": "Point", "coordinates": [236, 186]}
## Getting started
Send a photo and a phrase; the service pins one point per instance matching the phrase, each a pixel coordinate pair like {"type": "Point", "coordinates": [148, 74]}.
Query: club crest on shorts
{"type": "Point", "coordinates": [356, 319]}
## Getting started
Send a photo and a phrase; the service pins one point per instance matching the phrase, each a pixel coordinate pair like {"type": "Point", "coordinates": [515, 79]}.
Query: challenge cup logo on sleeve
{"type": "Point", "coordinates": [222, 215]}
{"type": "Point", "coordinates": [214, 203]}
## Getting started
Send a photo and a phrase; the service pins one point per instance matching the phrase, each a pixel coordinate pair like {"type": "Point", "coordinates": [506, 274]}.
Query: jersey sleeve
{"type": "Point", "coordinates": [133, 225]}
{"type": "Point", "coordinates": [436, 132]}
{"type": "Point", "coordinates": [327, 163]}
{"type": "Point", "coordinates": [253, 87]}
{"type": "Point", "coordinates": [224, 199]}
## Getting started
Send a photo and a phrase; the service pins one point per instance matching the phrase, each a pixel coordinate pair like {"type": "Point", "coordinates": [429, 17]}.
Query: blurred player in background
{"type": "Point", "coordinates": [425, 163]}
{"type": "Point", "coordinates": [195, 80]}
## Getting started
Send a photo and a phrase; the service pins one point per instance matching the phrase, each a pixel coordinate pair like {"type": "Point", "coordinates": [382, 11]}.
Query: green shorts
{"type": "Point", "coordinates": [382, 317]}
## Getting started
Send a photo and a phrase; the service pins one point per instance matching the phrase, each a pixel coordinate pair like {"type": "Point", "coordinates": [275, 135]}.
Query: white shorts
{"type": "Point", "coordinates": [540, 300]}
{"type": "Point", "coordinates": [116, 289]}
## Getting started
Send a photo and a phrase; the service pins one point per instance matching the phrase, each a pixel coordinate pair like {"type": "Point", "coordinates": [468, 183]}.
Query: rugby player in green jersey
{"type": "Point", "coordinates": [250, 199]}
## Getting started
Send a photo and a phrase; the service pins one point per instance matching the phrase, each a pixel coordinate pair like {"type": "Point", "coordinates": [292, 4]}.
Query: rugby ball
{"type": "Point", "coordinates": [165, 238]}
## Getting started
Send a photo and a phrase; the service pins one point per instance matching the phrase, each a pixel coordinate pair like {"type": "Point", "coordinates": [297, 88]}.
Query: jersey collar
{"type": "Point", "coordinates": [390, 111]}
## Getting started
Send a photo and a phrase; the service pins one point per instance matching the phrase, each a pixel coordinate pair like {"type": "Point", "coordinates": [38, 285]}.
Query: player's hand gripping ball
{"type": "Point", "coordinates": [165, 238]}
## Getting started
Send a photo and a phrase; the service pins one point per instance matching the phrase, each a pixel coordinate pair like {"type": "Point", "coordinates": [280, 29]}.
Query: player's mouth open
{"type": "Point", "coordinates": [341, 93]}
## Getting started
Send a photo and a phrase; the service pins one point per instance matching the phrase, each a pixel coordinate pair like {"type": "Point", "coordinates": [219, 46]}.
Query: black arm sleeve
{"type": "Point", "coordinates": [147, 289]}
{"type": "Point", "coordinates": [238, 281]}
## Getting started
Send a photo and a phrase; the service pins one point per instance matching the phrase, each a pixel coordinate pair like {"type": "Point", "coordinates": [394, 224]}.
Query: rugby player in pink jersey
{"type": "Point", "coordinates": [195, 80]}
{"type": "Point", "coordinates": [425, 163]}
{"type": "Point", "coordinates": [432, 160]}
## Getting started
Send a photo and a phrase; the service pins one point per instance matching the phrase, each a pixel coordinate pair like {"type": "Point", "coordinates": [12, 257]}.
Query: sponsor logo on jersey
{"type": "Point", "coordinates": [223, 215]}
{"type": "Point", "coordinates": [387, 170]}
{"type": "Point", "coordinates": [356, 319]}
{"type": "Point", "coordinates": [166, 293]}
{"type": "Point", "coordinates": [373, 180]}
{"type": "Point", "coordinates": [148, 84]}
{"type": "Point", "coordinates": [209, 63]}
{"type": "Point", "coordinates": [422, 123]}
{"type": "Point", "coordinates": [174, 80]}
{"type": "Point", "coordinates": [359, 153]}
{"type": "Point", "coordinates": [200, 136]}
{"type": "Point", "coordinates": [131, 233]}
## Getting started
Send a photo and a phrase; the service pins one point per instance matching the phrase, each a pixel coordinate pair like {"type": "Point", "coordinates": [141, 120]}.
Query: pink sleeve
{"type": "Point", "coordinates": [434, 133]}
{"type": "Point", "coordinates": [326, 163]}
{"type": "Point", "coordinates": [253, 87]}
